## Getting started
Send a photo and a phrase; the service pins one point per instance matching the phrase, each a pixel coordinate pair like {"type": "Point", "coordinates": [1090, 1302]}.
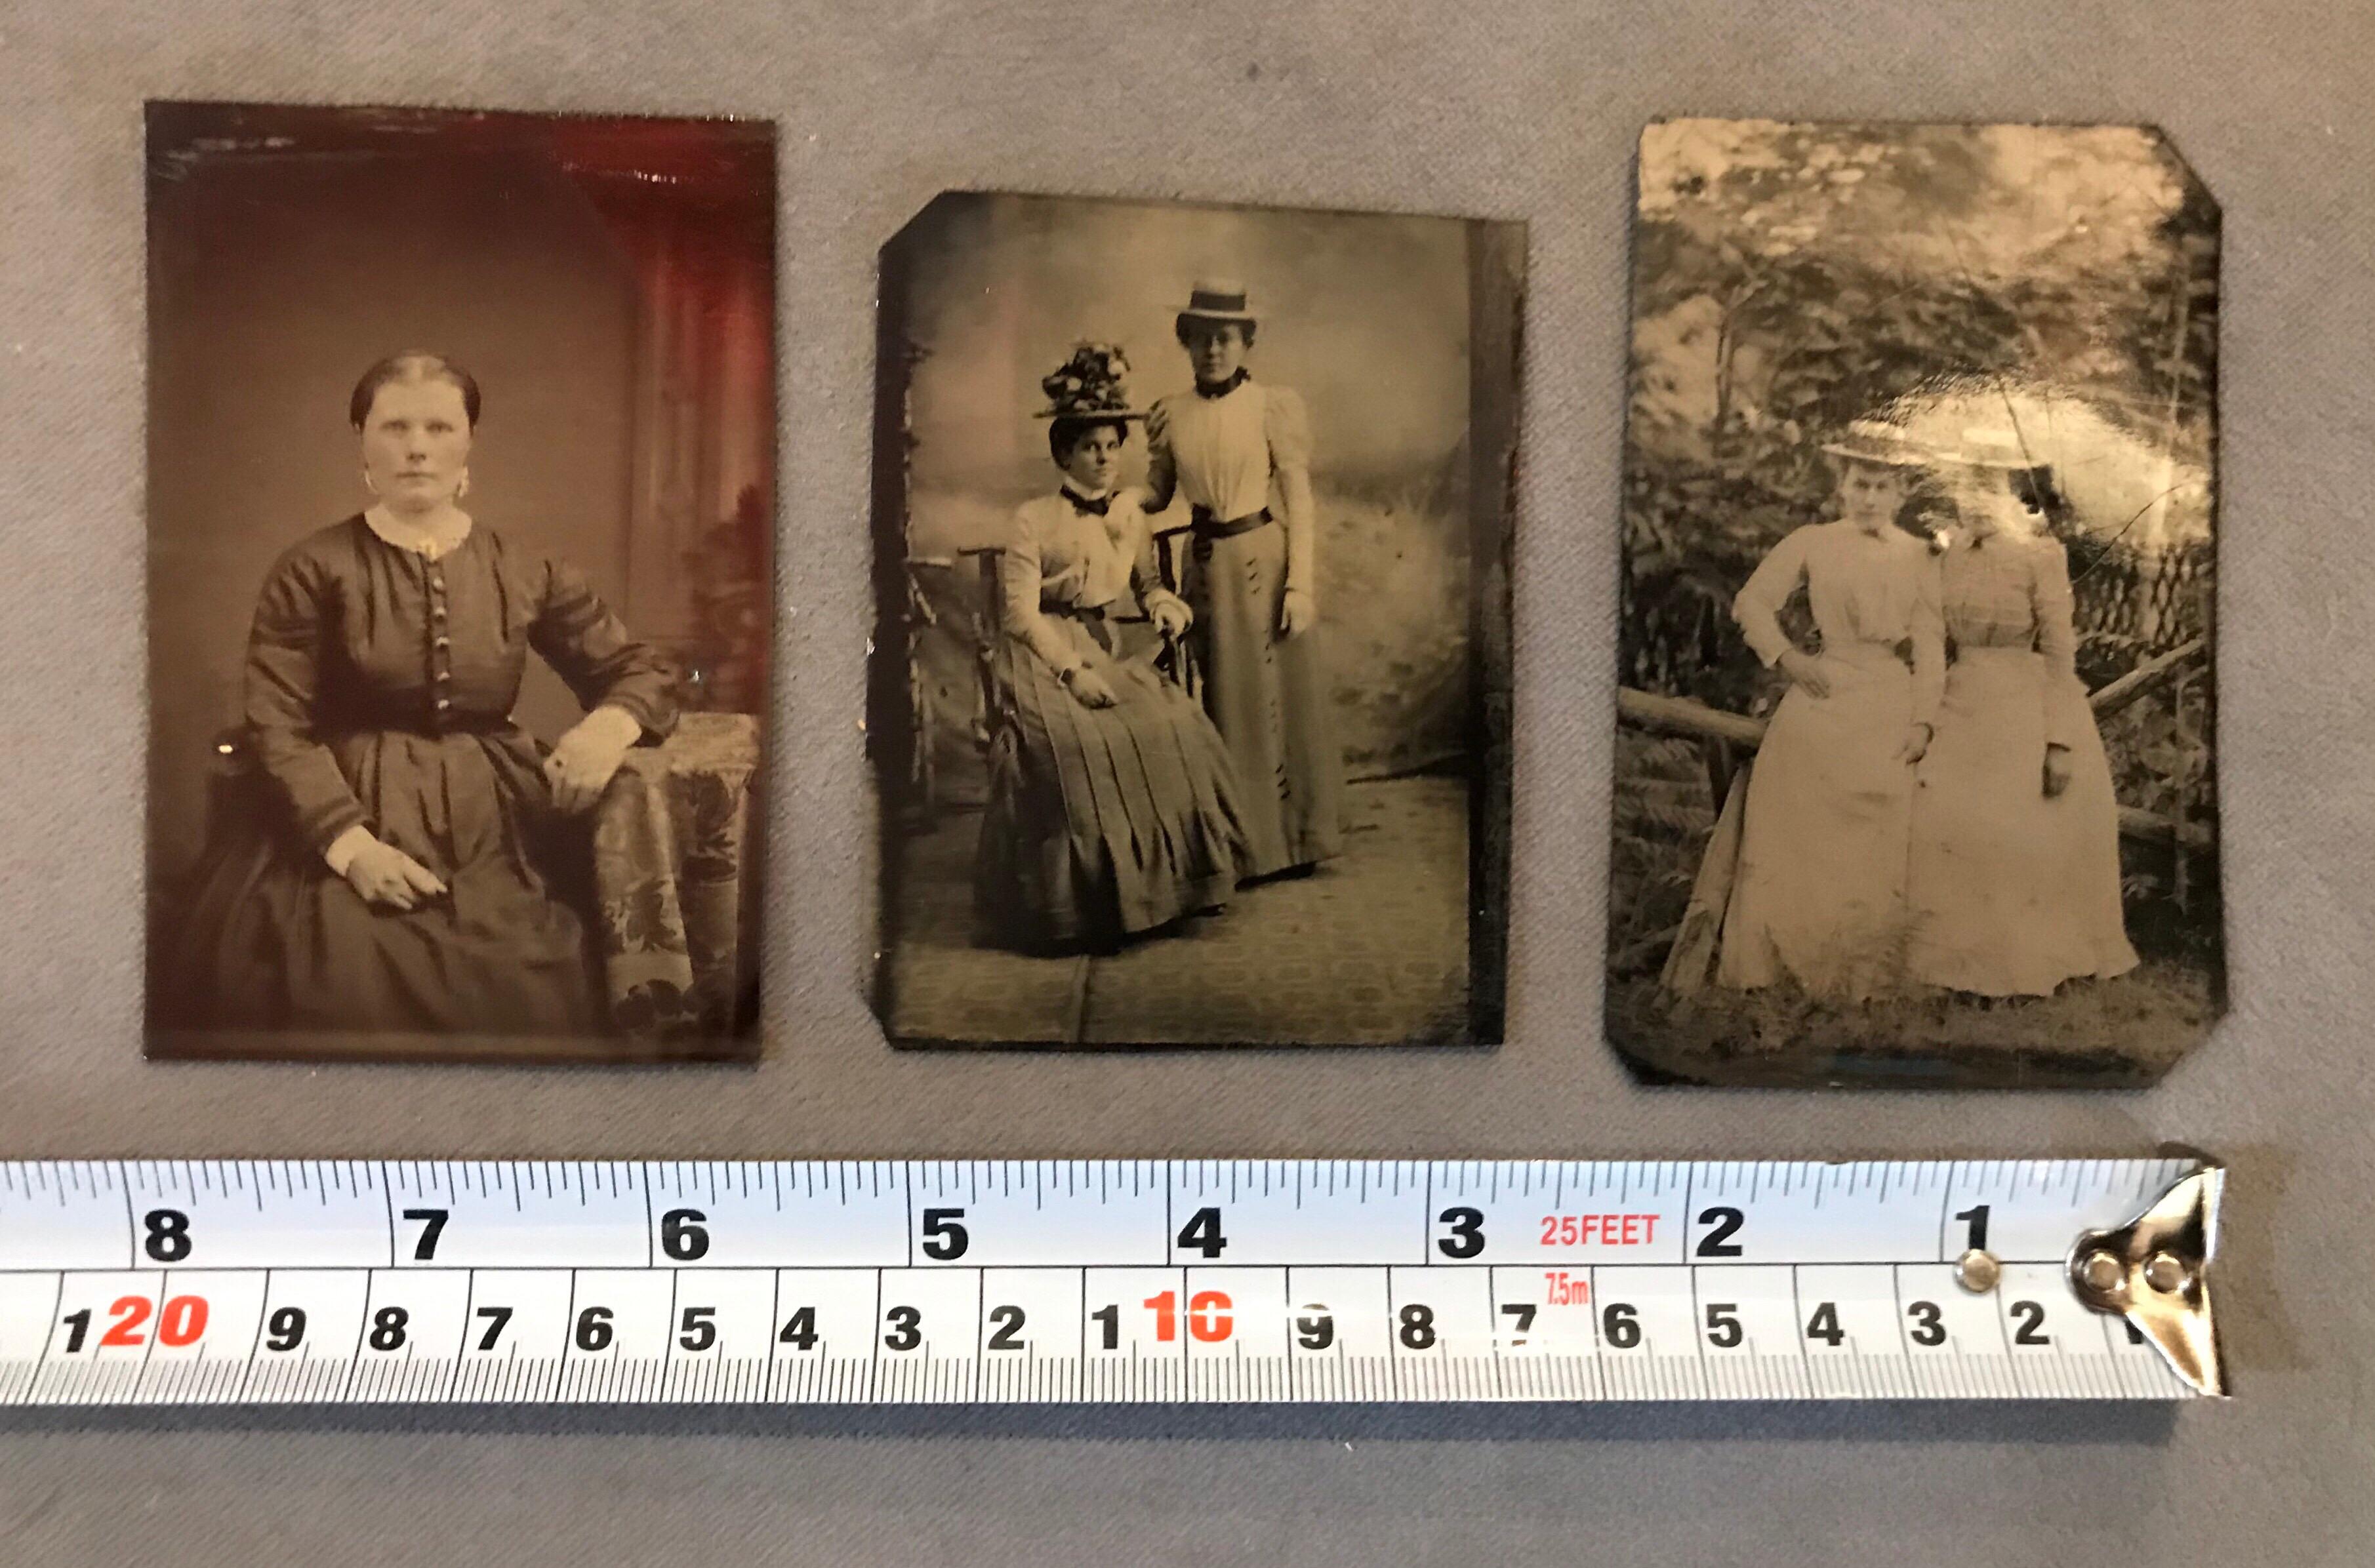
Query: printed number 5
{"type": "Point", "coordinates": [944, 1237]}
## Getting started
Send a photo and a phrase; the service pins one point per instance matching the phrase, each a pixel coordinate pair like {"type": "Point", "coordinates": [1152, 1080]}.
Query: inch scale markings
{"type": "Point", "coordinates": [1017, 1281]}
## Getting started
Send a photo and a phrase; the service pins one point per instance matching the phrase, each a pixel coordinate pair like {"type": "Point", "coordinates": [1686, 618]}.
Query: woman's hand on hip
{"type": "Point", "coordinates": [1298, 613]}
{"type": "Point", "coordinates": [1090, 689]}
{"type": "Point", "coordinates": [584, 760]}
{"type": "Point", "coordinates": [2057, 770]}
{"type": "Point", "coordinates": [386, 878]}
{"type": "Point", "coordinates": [1806, 672]}
{"type": "Point", "coordinates": [1917, 745]}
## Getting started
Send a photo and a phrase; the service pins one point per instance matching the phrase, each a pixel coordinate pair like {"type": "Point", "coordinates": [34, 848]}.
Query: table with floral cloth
{"type": "Point", "coordinates": [673, 878]}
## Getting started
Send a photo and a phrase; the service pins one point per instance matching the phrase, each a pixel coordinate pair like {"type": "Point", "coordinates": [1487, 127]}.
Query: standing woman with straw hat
{"type": "Point", "coordinates": [1241, 452]}
{"type": "Point", "coordinates": [1819, 894]}
{"type": "Point", "coordinates": [2016, 866]}
{"type": "Point", "coordinates": [1111, 809]}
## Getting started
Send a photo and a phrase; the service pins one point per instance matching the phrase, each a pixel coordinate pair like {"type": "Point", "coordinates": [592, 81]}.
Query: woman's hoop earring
{"type": "Point", "coordinates": [463, 487]}
{"type": "Point", "coordinates": [367, 482]}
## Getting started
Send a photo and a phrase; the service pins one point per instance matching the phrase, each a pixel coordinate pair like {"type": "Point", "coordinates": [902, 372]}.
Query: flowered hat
{"type": "Point", "coordinates": [1217, 299]}
{"type": "Point", "coordinates": [1089, 385]}
{"type": "Point", "coordinates": [1877, 441]}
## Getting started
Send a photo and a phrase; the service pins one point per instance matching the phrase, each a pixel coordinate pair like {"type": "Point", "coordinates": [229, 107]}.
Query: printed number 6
{"type": "Point", "coordinates": [681, 1235]}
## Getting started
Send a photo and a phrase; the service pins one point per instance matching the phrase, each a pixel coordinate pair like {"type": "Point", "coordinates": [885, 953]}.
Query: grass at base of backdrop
{"type": "Point", "coordinates": [2109, 1033]}
{"type": "Point", "coordinates": [2125, 1030]}
{"type": "Point", "coordinates": [1394, 603]}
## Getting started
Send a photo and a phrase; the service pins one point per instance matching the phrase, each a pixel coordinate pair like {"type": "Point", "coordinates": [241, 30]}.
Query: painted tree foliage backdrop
{"type": "Point", "coordinates": [2061, 282]}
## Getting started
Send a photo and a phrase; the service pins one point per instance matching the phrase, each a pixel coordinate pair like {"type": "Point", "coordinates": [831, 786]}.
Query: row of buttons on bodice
{"type": "Point", "coordinates": [441, 649]}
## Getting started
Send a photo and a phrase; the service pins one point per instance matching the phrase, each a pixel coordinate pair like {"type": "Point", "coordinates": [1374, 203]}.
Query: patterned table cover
{"type": "Point", "coordinates": [671, 843]}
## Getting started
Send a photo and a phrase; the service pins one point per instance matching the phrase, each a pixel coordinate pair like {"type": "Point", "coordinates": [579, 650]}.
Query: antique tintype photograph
{"type": "Point", "coordinates": [1914, 778]}
{"type": "Point", "coordinates": [461, 489]}
{"type": "Point", "coordinates": [1189, 702]}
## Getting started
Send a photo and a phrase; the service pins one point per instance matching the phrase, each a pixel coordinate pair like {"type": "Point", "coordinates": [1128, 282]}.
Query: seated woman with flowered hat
{"type": "Point", "coordinates": [1112, 811]}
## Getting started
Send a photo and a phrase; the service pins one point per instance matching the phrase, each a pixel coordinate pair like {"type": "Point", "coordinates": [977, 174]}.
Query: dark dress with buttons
{"type": "Point", "coordinates": [379, 691]}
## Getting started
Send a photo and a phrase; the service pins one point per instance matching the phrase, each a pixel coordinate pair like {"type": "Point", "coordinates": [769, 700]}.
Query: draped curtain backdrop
{"type": "Point", "coordinates": [610, 283]}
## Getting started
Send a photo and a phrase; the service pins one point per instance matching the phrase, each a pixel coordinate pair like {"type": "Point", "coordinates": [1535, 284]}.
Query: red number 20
{"type": "Point", "coordinates": [183, 1320]}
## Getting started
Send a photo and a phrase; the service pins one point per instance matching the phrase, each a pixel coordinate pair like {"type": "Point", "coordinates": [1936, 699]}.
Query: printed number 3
{"type": "Point", "coordinates": [1467, 1232]}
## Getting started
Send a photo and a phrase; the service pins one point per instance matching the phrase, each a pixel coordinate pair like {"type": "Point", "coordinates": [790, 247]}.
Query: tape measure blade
{"type": "Point", "coordinates": [1116, 1280]}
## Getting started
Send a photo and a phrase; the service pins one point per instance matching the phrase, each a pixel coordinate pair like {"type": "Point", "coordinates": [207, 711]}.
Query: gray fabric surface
{"type": "Point", "coordinates": [1524, 111]}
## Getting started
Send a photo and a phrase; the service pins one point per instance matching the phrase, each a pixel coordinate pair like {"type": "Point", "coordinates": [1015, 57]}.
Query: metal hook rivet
{"type": "Point", "coordinates": [2102, 1271]}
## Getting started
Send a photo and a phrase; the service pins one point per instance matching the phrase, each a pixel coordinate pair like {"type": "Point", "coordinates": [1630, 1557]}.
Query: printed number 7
{"type": "Point", "coordinates": [432, 1224]}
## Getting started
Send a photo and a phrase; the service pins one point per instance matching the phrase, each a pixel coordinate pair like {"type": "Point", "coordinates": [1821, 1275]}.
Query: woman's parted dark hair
{"type": "Point", "coordinates": [412, 365]}
{"type": "Point", "coordinates": [1185, 324]}
{"type": "Point", "coordinates": [1067, 433]}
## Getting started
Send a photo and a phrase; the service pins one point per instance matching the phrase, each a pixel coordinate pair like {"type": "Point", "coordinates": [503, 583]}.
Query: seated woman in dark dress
{"type": "Point", "coordinates": [1112, 810]}
{"type": "Point", "coordinates": [404, 872]}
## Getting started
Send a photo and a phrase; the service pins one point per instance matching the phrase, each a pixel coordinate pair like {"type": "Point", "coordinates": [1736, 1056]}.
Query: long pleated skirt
{"type": "Point", "coordinates": [1819, 895]}
{"type": "Point", "coordinates": [1268, 695]}
{"type": "Point", "coordinates": [1102, 823]}
{"type": "Point", "coordinates": [2012, 893]}
{"type": "Point", "coordinates": [273, 940]}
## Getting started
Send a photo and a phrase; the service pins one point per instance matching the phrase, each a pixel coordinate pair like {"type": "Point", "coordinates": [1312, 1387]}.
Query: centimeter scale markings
{"type": "Point", "coordinates": [929, 1281]}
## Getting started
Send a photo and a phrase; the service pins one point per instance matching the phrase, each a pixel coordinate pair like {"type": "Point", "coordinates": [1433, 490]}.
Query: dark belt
{"type": "Point", "coordinates": [1096, 619]}
{"type": "Point", "coordinates": [1209, 527]}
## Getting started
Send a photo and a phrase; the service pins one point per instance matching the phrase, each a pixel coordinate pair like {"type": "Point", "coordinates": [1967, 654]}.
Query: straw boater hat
{"type": "Point", "coordinates": [1217, 299]}
{"type": "Point", "coordinates": [1089, 385]}
{"type": "Point", "coordinates": [1877, 441]}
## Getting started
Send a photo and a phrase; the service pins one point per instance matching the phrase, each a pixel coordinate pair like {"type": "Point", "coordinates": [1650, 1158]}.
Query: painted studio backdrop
{"type": "Point", "coordinates": [1388, 333]}
{"type": "Point", "coordinates": [608, 283]}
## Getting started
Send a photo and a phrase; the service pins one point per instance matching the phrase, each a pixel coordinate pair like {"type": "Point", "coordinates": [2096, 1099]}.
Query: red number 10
{"type": "Point", "coordinates": [1208, 1318]}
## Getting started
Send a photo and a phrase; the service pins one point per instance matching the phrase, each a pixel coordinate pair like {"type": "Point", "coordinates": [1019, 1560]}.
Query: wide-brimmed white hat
{"type": "Point", "coordinates": [1217, 299]}
{"type": "Point", "coordinates": [1991, 447]}
{"type": "Point", "coordinates": [1877, 441]}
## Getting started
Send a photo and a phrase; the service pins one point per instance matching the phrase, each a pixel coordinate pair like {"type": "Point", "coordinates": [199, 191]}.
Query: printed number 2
{"type": "Point", "coordinates": [1717, 1242]}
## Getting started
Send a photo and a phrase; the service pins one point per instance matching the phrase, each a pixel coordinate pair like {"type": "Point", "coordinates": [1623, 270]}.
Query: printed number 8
{"type": "Point", "coordinates": [169, 1234]}
{"type": "Point", "coordinates": [387, 1328]}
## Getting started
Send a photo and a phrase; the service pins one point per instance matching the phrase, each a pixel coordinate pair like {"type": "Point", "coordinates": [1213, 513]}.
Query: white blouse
{"type": "Point", "coordinates": [1873, 589]}
{"type": "Point", "coordinates": [1224, 453]}
{"type": "Point", "coordinates": [1060, 557]}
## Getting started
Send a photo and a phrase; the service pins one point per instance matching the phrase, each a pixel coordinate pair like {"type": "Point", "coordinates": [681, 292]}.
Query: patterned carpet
{"type": "Point", "coordinates": [1370, 949]}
